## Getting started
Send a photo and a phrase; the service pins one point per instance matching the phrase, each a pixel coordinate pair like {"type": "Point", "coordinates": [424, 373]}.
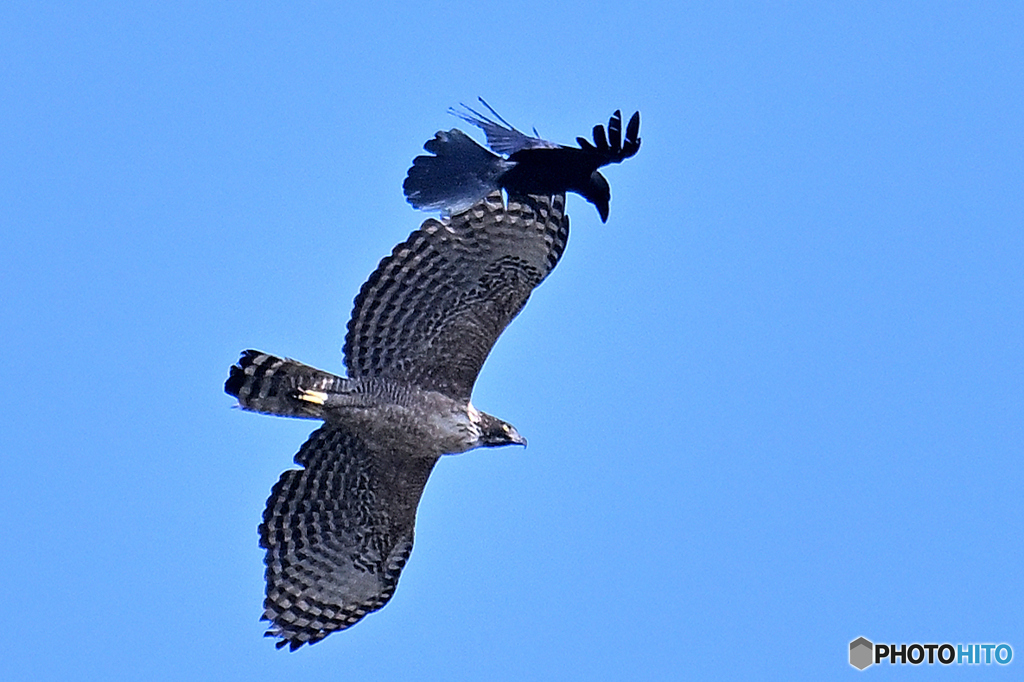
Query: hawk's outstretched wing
{"type": "Point", "coordinates": [433, 309]}
{"type": "Point", "coordinates": [338, 533]}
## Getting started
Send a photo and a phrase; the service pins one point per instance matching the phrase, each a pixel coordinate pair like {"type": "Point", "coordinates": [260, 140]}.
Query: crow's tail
{"type": "Point", "coordinates": [459, 173]}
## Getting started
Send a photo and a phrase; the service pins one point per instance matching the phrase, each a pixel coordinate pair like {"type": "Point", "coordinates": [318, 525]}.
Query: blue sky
{"type": "Point", "coordinates": [774, 404]}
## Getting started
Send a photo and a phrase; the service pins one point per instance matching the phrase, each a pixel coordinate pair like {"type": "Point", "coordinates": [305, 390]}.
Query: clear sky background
{"type": "Point", "coordinates": [774, 404]}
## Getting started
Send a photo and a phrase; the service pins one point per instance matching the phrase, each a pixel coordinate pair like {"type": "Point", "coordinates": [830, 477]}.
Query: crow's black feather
{"type": "Point", "coordinates": [461, 171]}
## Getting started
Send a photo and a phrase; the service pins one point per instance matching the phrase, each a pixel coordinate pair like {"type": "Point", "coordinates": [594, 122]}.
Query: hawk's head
{"type": "Point", "coordinates": [494, 432]}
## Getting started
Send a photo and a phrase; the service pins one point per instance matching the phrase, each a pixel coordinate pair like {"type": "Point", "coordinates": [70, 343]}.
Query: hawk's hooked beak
{"type": "Point", "coordinates": [514, 438]}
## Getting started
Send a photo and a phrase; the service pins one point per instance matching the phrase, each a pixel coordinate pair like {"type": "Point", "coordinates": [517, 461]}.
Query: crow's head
{"type": "Point", "coordinates": [597, 192]}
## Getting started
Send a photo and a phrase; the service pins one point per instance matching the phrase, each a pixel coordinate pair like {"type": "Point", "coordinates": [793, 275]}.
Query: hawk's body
{"type": "Point", "coordinates": [338, 531]}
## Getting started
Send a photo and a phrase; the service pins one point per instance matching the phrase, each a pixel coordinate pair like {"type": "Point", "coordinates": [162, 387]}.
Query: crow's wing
{"type": "Point", "coordinates": [613, 149]}
{"type": "Point", "coordinates": [503, 139]}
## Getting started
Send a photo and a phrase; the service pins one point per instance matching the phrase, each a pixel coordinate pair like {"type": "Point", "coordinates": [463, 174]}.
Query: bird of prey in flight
{"type": "Point", "coordinates": [338, 530]}
{"type": "Point", "coordinates": [460, 172]}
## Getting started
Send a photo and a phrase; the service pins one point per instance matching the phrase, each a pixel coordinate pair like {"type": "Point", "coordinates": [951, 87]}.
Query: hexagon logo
{"type": "Point", "coordinates": [861, 653]}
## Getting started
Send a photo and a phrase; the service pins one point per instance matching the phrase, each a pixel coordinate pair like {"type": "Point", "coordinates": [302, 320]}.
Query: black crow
{"type": "Point", "coordinates": [461, 172]}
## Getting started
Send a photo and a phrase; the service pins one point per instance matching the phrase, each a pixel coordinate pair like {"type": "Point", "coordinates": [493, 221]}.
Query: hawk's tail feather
{"type": "Point", "coordinates": [279, 386]}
